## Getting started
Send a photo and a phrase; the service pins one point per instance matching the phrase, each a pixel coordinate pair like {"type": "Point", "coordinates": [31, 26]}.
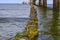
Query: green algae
{"type": "Point", "coordinates": [20, 35]}
{"type": "Point", "coordinates": [31, 32]}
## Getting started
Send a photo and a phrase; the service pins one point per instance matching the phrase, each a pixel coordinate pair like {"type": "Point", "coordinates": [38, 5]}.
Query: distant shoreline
{"type": "Point", "coordinates": [13, 3]}
{"type": "Point", "coordinates": [26, 4]}
{"type": "Point", "coordinates": [19, 3]}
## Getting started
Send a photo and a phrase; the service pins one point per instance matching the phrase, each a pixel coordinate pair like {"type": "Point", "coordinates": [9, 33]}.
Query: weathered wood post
{"type": "Point", "coordinates": [45, 3]}
{"type": "Point", "coordinates": [59, 3]}
{"type": "Point", "coordinates": [55, 4]}
{"type": "Point", "coordinates": [31, 32]}
{"type": "Point", "coordinates": [34, 2]}
{"type": "Point", "coordinates": [39, 2]}
{"type": "Point", "coordinates": [31, 3]}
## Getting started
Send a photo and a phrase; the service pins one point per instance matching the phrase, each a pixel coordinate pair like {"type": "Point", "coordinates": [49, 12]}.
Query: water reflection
{"type": "Point", "coordinates": [49, 23]}
{"type": "Point", "coordinates": [54, 27]}
{"type": "Point", "coordinates": [44, 21]}
{"type": "Point", "coordinates": [44, 12]}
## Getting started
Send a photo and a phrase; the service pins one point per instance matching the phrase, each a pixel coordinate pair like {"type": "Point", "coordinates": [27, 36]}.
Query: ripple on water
{"type": "Point", "coordinates": [9, 29]}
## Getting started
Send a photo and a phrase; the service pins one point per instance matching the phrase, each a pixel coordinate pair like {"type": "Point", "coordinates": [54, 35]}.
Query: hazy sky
{"type": "Point", "coordinates": [19, 1]}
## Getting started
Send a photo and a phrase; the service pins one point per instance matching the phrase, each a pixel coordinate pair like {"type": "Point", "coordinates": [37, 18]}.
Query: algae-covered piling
{"type": "Point", "coordinates": [32, 25]}
{"type": "Point", "coordinates": [31, 32]}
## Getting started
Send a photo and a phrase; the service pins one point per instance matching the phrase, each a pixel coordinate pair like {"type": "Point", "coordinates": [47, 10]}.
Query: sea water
{"type": "Point", "coordinates": [13, 19]}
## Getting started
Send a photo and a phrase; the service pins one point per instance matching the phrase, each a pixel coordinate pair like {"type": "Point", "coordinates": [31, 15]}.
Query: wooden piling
{"type": "Point", "coordinates": [45, 3]}
{"type": "Point", "coordinates": [30, 2]}
{"type": "Point", "coordinates": [55, 4]}
{"type": "Point", "coordinates": [59, 3]}
{"type": "Point", "coordinates": [34, 2]}
{"type": "Point", "coordinates": [39, 2]}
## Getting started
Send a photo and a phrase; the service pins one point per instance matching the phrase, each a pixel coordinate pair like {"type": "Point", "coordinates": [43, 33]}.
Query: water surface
{"type": "Point", "coordinates": [13, 19]}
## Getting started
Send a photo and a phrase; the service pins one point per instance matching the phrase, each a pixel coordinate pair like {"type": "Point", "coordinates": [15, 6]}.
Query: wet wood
{"type": "Point", "coordinates": [34, 2]}
{"type": "Point", "coordinates": [40, 3]}
{"type": "Point", "coordinates": [55, 4]}
{"type": "Point", "coordinates": [32, 25]}
{"type": "Point", "coordinates": [59, 3]}
{"type": "Point", "coordinates": [45, 3]}
{"type": "Point", "coordinates": [31, 32]}
{"type": "Point", "coordinates": [31, 2]}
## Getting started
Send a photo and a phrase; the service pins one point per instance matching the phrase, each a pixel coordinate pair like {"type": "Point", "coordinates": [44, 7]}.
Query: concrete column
{"type": "Point", "coordinates": [55, 4]}
{"type": "Point", "coordinates": [40, 3]}
{"type": "Point", "coordinates": [45, 3]}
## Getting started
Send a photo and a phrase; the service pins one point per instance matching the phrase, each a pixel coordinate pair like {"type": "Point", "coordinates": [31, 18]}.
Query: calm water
{"type": "Point", "coordinates": [49, 23]}
{"type": "Point", "coordinates": [13, 19]}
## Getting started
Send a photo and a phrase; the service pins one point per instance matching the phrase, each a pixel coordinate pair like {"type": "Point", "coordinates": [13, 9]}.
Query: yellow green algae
{"type": "Point", "coordinates": [21, 35]}
{"type": "Point", "coordinates": [31, 32]}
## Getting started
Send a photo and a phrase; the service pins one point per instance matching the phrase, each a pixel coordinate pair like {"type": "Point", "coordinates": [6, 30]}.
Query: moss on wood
{"type": "Point", "coordinates": [31, 32]}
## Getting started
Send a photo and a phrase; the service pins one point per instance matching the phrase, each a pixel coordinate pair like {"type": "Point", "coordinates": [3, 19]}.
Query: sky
{"type": "Point", "coordinates": [20, 1]}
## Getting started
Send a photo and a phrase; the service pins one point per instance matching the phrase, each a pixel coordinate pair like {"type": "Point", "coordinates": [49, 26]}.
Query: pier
{"type": "Point", "coordinates": [56, 3]}
{"type": "Point", "coordinates": [35, 20]}
{"type": "Point", "coordinates": [50, 24]}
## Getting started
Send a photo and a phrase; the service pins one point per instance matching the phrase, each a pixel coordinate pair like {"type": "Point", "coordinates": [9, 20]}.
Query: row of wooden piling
{"type": "Point", "coordinates": [56, 3]}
